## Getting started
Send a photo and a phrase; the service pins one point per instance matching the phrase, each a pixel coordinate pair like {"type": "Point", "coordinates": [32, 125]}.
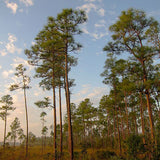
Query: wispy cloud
{"type": "Point", "coordinates": [154, 13]}
{"type": "Point", "coordinates": [14, 6]}
{"type": "Point", "coordinates": [6, 74]}
{"type": "Point", "coordinates": [92, 0]}
{"type": "Point", "coordinates": [100, 30]}
{"type": "Point", "coordinates": [27, 2]}
{"type": "Point", "coordinates": [88, 7]}
{"type": "Point", "coordinates": [101, 12]}
{"type": "Point", "coordinates": [10, 47]}
{"type": "Point", "coordinates": [3, 52]}
{"type": "Point", "coordinates": [101, 23]}
{"type": "Point", "coordinates": [93, 93]}
{"type": "Point", "coordinates": [11, 5]}
{"type": "Point", "coordinates": [19, 60]}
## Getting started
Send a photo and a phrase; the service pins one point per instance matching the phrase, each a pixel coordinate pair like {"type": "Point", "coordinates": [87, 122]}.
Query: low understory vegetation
{"type": "Point", "coordinates": [133, 149]}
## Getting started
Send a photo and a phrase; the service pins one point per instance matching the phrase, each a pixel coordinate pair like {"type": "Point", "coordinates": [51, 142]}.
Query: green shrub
{"type": "Point", "coordinates": [103, 155]}
{"type": "Point", "coordinates": [134, 146]}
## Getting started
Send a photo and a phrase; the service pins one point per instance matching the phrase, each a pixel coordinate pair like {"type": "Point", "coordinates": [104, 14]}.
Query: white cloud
{"type": "Point", "coordinates": [27, 2]}
{"type": "Point", "coordinates": [5, 74]}
{"type": "Point", "coordinates": [11, 38]}
{"type": "Point", "coordinates": [89, 0]}
{"type": "Point", "coordinates": [99, 35]}
{"type": "Point", "coordinates": [88, 7]}
{"type": "Point", "coordinates": [0, 67]}
{"type": "Point", "coordinates": [19, 60]}
{"type": "Point", "coordinates": [101, 23]}
{"type": "Point", "coordinates": [3, 52]}
{"type": "Point", "coordinates": [10, 46]}
{"type": "Point", "coordinates": [33, 43]}
{"type": "Point", "coordinates": [21, 10]}
{"type": "Point", "coordinates": [84, 30]}
{"type": "Point", "coordinates": [154, 13]}
{"type": "Point", "coordinates": [38, 91]}
{"type": "Point", "coordinates": [93, 93]}
{"type": "Point", "coordinates": [13, 6]}
{"type": "Point", "coordinates": [101, 12]}
{"type": "Point", "coordinates": [92, 0]}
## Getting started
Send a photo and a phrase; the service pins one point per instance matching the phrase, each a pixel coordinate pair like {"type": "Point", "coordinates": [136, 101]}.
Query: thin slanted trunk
{"type": "Point", "coordinates": [84, 130]}
{"type": "Point", "coordinates": [54, 113]}
{"type": "Point", "coordinates": [119, 136]}
{"type": "Point", "coordinates": [25, 101]}
{"type": "Point", "coordinates": [108, 128]}
{"type": "Point", "coordinates": [121, 123]}
{"type": "Point", "coordinates": [150, 115]}
{"type": "Point", "coordinates": [126, 109]}
{"type": "Point", "coordinates": [135, 121]}
{"type": "Point", "coordinates": [70, 136]}
{"type": "Point", "coordinates": [42, 136]}
{"type": "Point", "coordinates": [42, 144]}
{"type": "Point", "coordinates": [116, 114]}
{"type": "Point", "coordinates": [60, 115]}
{"type": "Point", "coordinates": [14, 142]}
{"type": "Point", "coordinates": [148, 104]}
{"type": "Point", "coordinates": [114, 125]}
{"type": "Point", "coordinates": [142, 117]}
{"type": "Point", "coordinates": [5, 125]}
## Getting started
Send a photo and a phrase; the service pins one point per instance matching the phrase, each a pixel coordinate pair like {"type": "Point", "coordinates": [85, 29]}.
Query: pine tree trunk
{"type": "Point", "coordinates": [126, 109]}
{"type": "Point", "coordinates": [42, 135]}
{"type": "Point", "coordinates": [70, 136]}
{"type": "Point", "coordinates": [148, 104]}
{"type": "Point", "coordinates": [121, 123]}
{"type": "Point", "coordinates": [25, 100]}
{"type": "Point", "coordinates": [14, 143]}
{"type": "Point", "coordinates": [60, 112]}
{"type": "Point", "coordinates": [5, 125]}
{"type": "Point", "coordinates": [142, 117]}
{"type": "Point", "coordinates": [135, 122]}
{"type": "Point", "coordinates": [114, 125]}
{"type": "Point", "coordinates": [55, 123]}
{"type": "Point", "coordinates": [119, 136]}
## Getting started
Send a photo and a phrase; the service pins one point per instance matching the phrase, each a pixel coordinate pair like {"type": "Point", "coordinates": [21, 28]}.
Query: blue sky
{"type": "Point", "coordinates": [21, 21]}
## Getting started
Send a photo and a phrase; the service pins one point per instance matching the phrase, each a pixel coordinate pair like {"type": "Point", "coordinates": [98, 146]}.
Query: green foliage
{"type": "Point", "coordinates": [134, 146]}
{"type": "Point", "coordinates": [103, 155]}
{"type": "Point", "coordinates": [16, 131]}
{"type": "Point", "coordinates": [20, 72]}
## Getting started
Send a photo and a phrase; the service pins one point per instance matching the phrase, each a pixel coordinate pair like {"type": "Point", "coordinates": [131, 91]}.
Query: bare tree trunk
{"type": "Point", "coordinates": [55, 134]}
{"type": "Point", "coordinates": [14, 143]}
{"type": "Point", "coordinates": [70, 136]}
{"type": "Point", "coordinates": [119, 136]}
{"type": "Point", "coordinates": [126, 108]}
{"type": "Point", "coordinates": [150, 117]}
{"type": "Point", "coordinates": [42, 145]}
{"type": "Point", "coordinates": [142, 117]}
{"type": "Point", "coordinates": [148, 104]}
{"type": "Point", "coordinates": [42, 135]}
{"type": "Point", "coordinates": [5, 125]}
{"type": "Point", "coordinates": [25, 101]}
{"type": "Point", "coordinates": [60, 115]}
{"type": "Point", "coordinates": [114, 124]}
{"type": "Point", "coordinates": [135, 122]}
{"type": "Point", "coordinates": [121, 123]}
